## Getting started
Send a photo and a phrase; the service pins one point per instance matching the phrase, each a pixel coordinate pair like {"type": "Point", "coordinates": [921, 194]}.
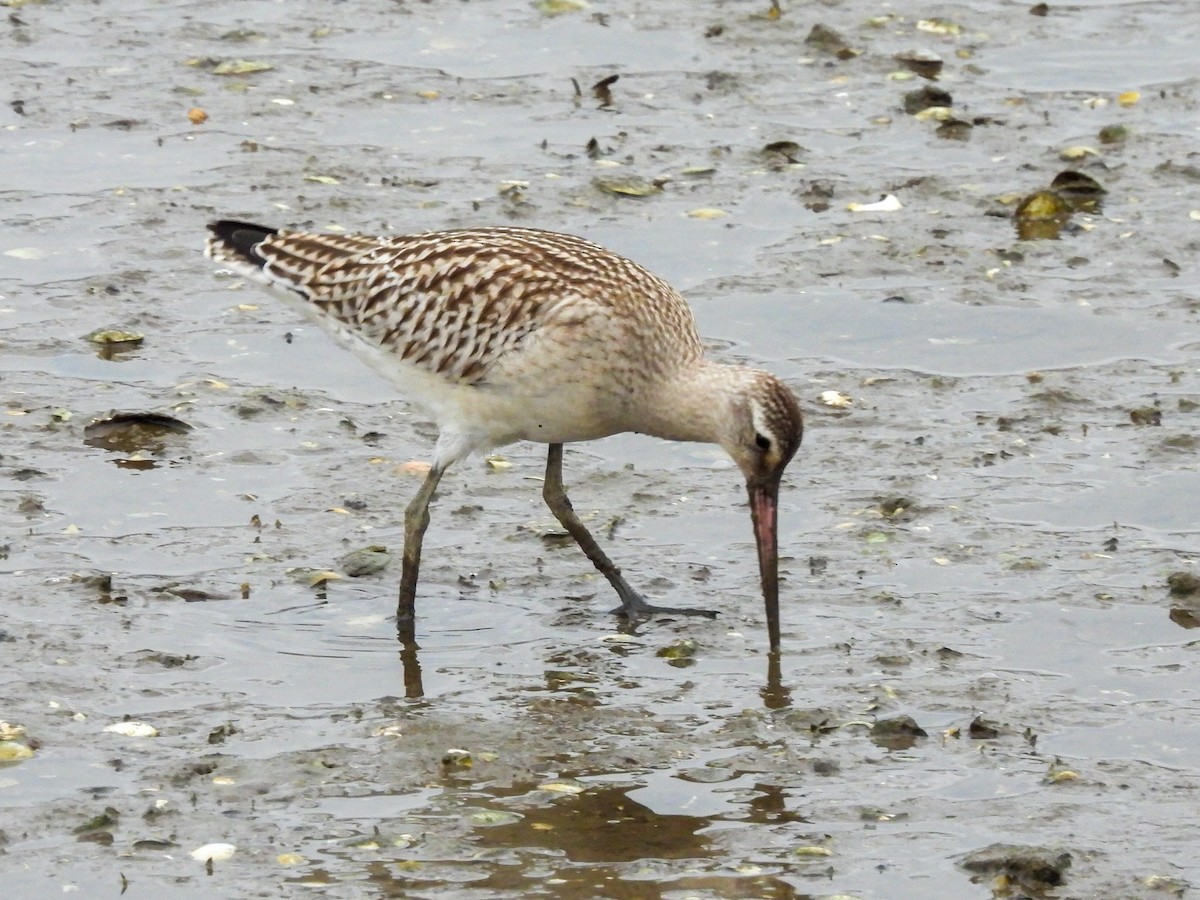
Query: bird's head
{"type": "Point", "coordinates": [762, 434]}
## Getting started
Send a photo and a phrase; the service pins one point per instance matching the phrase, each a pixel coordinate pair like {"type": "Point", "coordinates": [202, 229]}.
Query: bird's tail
{"type": "Point", "coordinates": [235, 244]}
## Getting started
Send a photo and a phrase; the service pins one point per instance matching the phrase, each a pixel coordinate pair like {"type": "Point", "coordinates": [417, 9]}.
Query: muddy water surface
{"type": "Point", "coordinates": [981, 540]}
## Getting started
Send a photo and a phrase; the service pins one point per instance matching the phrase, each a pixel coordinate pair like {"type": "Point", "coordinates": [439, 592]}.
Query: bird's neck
{"type": "Point", "coordinates": [694, 403]}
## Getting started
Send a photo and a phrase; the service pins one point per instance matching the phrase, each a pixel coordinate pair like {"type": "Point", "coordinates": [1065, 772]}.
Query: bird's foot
{"type": "Point", "coordinates": [633, 608]}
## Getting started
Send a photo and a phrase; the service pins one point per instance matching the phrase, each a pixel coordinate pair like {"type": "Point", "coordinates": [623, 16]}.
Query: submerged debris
{"type": "Point", "coordinates": [365, 561]}
{"type": "Point", "coordinates": [1041, 216]}
{"type": "Point", "coordinates": [1183, 584]}
{"type": "Point", "coordinates": [981, 729]}
{"type": "Point", "coordinates": [954, 130]}
{"type": "Point", "coordinates": [927, 97]}
{"type": "Point", "coordinates": [894, 507]}
{"type": "Point", "coordinates": [457, 758]}
{"type": "Point", "coordinates": [1082, 192]}
{"type": "Point", "coordinates": [561, 787]}
{"type": "Point", "coordinates": [101, 821]}
{"type": "Point", "coordinates": [939, 26]}
{"type": "Point", "coordinates": [828, 40]}
{"type": "Point", "coordinates": [1113, 134]}
{"type": "Point", "coordinates": [627, 185]}
{"type": "Point", "coordinates": [678, 653]}
{"type": "Point", "coordinates": [773, 14]}
{"type": "Point", "coordinates": [1032, 869]}
{"type": "Point", "coordinates": [559, 7]}
{"type": "Point", "coordinates": [492, 817]}
{"type": "Point", "coordinates": [812, 852]}
{"type": "Point", "coordinates": [1146, 415]}
{"type": "Point", "coordinates": [602, 91]}
{"type": "Point", "coordinates": [785, 152]}
{"type": "Point", "coordinates": [923, 62]}
{"type": "Point", "coordinates": [241, 67]}
{"type": "Point", "coordinates": [897, 733]}
{"type": "Point", "coordinates": [114, 336]}
{"type": "Point", "coordinates": [133, 432]}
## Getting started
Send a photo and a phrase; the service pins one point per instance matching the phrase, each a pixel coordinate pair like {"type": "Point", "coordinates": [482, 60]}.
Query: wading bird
{"type": "Point", "coordinates": [514, 334]}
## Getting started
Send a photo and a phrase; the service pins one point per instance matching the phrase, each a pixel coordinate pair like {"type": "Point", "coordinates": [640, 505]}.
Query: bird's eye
{"type": "Point", "coordinates": [762, 441]}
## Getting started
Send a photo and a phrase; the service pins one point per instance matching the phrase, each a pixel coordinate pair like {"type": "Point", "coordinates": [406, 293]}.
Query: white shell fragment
{"type": "Point", "coordinates": [132, 729]}
{"type": "Point", "coordinates": [890, 203]}
{"type": "Point", "coordinates": [214, 852]}
{"type": "Point", "coordinates": [836, 399]}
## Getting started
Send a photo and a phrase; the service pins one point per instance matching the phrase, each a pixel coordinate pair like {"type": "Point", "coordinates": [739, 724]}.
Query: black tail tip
{"type": "Point", "coordinates": [242, 237]}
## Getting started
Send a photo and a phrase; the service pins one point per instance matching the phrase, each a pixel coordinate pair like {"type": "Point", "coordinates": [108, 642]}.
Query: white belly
{"type": "Point", "coordinates": [480, 417]}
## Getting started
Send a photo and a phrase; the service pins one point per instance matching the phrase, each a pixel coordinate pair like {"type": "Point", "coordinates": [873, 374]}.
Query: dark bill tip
{"type": "Point", "coordinates": [764, 504]}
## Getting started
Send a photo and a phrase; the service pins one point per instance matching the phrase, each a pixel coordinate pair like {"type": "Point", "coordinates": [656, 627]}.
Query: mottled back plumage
{"type": "Point", "coordinates": [456, 303]}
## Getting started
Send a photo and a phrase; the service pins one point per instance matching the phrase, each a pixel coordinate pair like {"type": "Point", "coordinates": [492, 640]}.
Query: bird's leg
{"type": "Point", "coordinates": [416, 520]}
{"type": "Point", "coordinates": [633, 606]}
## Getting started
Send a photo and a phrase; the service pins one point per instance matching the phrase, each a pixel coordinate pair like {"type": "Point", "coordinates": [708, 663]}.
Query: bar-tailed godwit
{"type": "Point", "coordinates": [510, 334]}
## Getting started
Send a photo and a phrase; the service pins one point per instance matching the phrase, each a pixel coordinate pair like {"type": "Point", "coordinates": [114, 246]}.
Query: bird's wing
{"type": "Point", "coordinates": [466, 305]}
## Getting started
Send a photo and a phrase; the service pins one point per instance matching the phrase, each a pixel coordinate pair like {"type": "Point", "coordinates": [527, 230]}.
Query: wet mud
{"type": "Point", "coordinates": [989, 529]}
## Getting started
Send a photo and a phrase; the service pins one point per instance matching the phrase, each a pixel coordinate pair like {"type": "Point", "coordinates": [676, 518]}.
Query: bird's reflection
{"type": "Point", "coordinates": [775, 694]}
{"type": "Point", "coordinates": [414, 688]}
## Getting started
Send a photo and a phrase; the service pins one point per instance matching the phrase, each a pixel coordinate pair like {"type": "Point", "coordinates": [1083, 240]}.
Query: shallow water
{"type": "Point", "coordinates": [992, 383]}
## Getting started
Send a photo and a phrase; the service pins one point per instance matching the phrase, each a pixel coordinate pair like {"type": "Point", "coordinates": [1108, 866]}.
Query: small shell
{"type": "Point", "coordinates": [492, 817]}
{"type": "Point", "coordinates": [114, 336]}
{"type": "Point", "coordinates": [241, 67]}
{"type": "Point", "coordinates": [812, 852]}
{"type": "Point", "coordinates": [889, 203]}
{"type": "Point", "coordinates": [685, 648]}
{"type": "Point", "coordinates": [939, 26]}
{"type": "Point", "coordinates": [560, 787]}
{"type": "Point", "coordinates": [627, 186]}
{"type": "Point", "coordinates": [213, 852]}
{"type": "Point", "coordinates": [14, 752]}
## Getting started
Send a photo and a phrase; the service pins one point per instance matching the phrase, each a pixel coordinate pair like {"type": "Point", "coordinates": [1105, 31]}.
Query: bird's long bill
{"type": "Point", "coordinates": [764, 504]}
